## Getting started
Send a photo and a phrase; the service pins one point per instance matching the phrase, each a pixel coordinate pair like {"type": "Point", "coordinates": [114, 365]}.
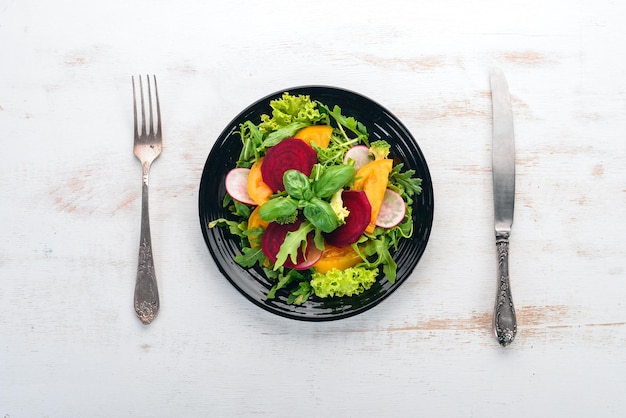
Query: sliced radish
{"type": "Point", "coordinates": [360, 154]}
{"type": "Point", "coordinates": [312, 256]}
{"type": "Point", "coordinates": [392, 210]}
{"type": "Point", "coordinates": [237, 185]}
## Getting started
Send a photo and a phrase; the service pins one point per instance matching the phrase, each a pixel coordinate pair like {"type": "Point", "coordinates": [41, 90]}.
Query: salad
{"type": "Point", "coordinates": [317, 206]}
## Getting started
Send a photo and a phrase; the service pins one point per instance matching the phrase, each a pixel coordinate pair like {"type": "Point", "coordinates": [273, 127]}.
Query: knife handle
{"type": "Point", "coordinates": [504, 322]}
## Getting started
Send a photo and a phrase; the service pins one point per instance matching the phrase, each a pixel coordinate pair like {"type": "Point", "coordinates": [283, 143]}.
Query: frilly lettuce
{"type": "Point", "coordinates": [288, 110]}
{"type": "Point", "coordinates": [348, 282]}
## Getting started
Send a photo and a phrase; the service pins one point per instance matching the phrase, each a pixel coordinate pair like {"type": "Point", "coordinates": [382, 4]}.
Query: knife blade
{"type": "Point", "coordinates": [503, 170]}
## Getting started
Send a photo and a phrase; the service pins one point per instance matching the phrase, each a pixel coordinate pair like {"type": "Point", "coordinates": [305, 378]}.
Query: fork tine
{"type": "Point", "coordinates": [158, 108]}
{"type": "Point", "coordinates": [135, 107]}
{"type": "Point", "coordinates": [143, 111]}
{"type": "Point", "coordinates": [151, 129]}
{"type": "Point", "coordinates": [143, 132]}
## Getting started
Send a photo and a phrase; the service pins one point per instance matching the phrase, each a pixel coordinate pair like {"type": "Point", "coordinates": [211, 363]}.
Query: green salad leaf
{"type": "Point", "coordinates": [289, 109]}
{"type": "Point", "coordinates": [278, 207]}
{"type": "Point", "coordinates": [294, 241]}
{"type": "Point", "coordinates": [348, 282]}
{"type": "Point", "coordinates": [301, 294]}
{"type": "Point", "coordinates": [405, 182]}
{"type": "Point", "coordinates": [321, 215]}
{"type": "Point", "coordinates": [333, 179]}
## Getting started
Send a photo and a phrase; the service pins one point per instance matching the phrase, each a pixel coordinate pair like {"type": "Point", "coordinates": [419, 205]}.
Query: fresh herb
{"type": "Point", "coordinates": [405, 182]}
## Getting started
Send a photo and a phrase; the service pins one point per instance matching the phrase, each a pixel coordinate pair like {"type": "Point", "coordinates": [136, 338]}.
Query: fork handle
{"type": "Point", "coordinates": [146, 290]}
{"type": "Point", "coordinates": [504, 321]}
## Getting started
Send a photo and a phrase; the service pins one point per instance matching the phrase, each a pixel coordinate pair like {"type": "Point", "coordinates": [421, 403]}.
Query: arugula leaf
{"type": "Point", "coordinates": [379, 246]}
{"type": "Point", "coordinates": [301, 294]}
{"type": "Point", "coordinates": [250, 256]}
{"type": "Point", "coordinates": [252, 144]}
{"type": "Point", "coordinates": [254, 235]}
{"type": "Point", "coordinates": [354, 126]}
{"type": "Point", "coordinates": [293, 242]}
{"type": "Point", "coordinates": [318, 239]}
{"type": "Point", "coordinates": [283, 281]}
{"type": "Point", "coordinates": [239, 209]}
{"type": "Point", "coordinates": [405, 181]}
{"type": "Point", "coordinates": [235, 228]}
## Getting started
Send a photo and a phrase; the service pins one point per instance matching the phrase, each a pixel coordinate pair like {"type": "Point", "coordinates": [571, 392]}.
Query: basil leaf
{"type": "Point", "coordinates": [332, 179]}
{"type": "Point", "coordinates": [297, 185]}
{"type": "Point", "coordinates": [279, 207]}
{"type": "Point", "coordinates": [321, 215]}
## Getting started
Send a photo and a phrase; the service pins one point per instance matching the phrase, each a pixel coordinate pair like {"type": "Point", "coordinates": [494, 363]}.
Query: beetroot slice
{"type": "Point", "coordinates": [359, 218]}
{"type": "Point", "coordinates": [273, 238]}
{"type": "Point", "coordinates": [288, 154]}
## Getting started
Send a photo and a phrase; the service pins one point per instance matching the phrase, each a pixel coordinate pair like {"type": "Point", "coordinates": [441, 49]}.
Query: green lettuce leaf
{"type": "Point", "coordinates": [348, 282]}
{"type": "Point", "coordinates": [287, 110]}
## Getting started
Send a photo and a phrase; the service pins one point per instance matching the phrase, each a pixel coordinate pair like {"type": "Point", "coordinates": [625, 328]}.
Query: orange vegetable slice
{"type": "Point", "coordinates": [257, 189]}
{"type": "Point", "coordinates": [318, 134]}
{"type": "Point", "coordinates": [337, 257]}
{"type": "Point", "coordinates": [255, 221]}
{"type": "Point", "coordinates": [373, 178]}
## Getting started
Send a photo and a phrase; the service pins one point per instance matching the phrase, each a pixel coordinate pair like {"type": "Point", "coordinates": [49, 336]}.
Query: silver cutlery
{"type": "Point", "coordinates": [147, 148]}
{"type": "Point", "coordinates": [503, 169]}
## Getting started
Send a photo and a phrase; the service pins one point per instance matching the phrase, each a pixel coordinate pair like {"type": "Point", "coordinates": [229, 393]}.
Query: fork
{"type": "Point", "coordinates": [147, 148]}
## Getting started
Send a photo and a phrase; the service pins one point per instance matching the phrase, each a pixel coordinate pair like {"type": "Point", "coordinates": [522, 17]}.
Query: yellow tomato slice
{"type": "Point", "coordinates": [255, 221]}
{"type": "Point", "coordinates": [318, 134]}
{"type": "Point", "coordinates": [373, 178]}
{"type": "Point", "coordinates": [337, 257]}
{"type": "Point", "coordinates": [257, 189]}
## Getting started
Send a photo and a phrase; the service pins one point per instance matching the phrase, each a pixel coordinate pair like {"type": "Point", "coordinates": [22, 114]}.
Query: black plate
{"type": "Point", "coordinates": [381, 124]}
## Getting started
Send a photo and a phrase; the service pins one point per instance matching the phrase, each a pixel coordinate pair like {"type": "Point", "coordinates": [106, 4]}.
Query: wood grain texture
{"type": "Point", "coordinates": [70, 342]}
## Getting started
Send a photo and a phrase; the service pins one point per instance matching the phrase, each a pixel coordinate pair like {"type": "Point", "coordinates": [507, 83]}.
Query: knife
{"type": "Point", "coordinates": [503, 169]}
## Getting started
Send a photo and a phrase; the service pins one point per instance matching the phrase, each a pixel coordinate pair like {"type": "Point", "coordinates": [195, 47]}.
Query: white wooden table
{"type": "Point", "coordinates": [70, 344]}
